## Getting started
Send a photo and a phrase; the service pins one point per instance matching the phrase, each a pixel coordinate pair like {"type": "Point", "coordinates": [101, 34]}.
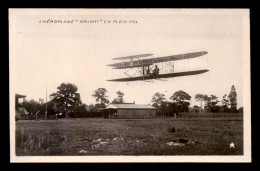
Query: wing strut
{"type": "Point", "coordinates": [143, 72]}
{"type": "Point", "coordinates": [127, 74]}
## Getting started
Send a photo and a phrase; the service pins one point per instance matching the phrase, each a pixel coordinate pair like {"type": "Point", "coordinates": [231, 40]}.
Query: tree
{"type": "Point", "coordinates": [41, 100]}
{"type": "Point", "coordinates": [119, 98]}
{"type": "Point", "coordinates": [214, 101]}
{"type": "Point", "coordinates": [51, 108]}
{"type": "Point", "coordinates": [211, 103]}
{"type": "Point", "coordinates": [163, 109]}
{"type": "Point", "coordinates": [91, 107]}
{"type": "Point", "coordinates": [233, 99]}
{"type": "Point", "coordinates": [240, 110]}
{"type": "Point", "coordinates": [100, 95]}
{"type": "Point", "coordinates": [196, 108]}
{"type": "Point", "coordinates": [181, 98]}
{"type": "Point", "coordinates": [225, 103]}
{"type": "Point", "coordinates": [199, 97]}
{"type": "Point", "coordinates": [66, 98]}
{"type": "Point", "coordinates": [32, 106]}
{"type": "Point", "coordinates": [207, 100]}
{"type": "Point", "coordinates": [158, 99]}
{"type": "Point", "coordinates": [173, 108]}
{"type": "Point", "coordinates": [79, 109]}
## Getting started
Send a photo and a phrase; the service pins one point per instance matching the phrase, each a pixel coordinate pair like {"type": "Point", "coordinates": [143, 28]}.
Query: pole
{"type": "Point", "coordinates": [46, 103]}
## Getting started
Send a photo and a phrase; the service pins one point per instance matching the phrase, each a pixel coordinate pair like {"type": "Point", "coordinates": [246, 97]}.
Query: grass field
{"type": "Point", "coordinates": [98, 136]}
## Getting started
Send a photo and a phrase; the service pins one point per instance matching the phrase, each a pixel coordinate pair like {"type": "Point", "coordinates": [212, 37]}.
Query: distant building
{"type": "Point", "coordinates": [20, 111]}
{"type": "Point", "coordinates": [19, 99]}
{"type": "Point", "coordinates": [129, 111]}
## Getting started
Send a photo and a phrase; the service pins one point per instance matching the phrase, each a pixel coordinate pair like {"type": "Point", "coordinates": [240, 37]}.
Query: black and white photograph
{"type": "Point", "coordinates": [129, 85]}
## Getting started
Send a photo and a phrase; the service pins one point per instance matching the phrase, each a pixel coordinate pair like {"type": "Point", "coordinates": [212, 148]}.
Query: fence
{"type": "Point", "coordinates": [202, 115]}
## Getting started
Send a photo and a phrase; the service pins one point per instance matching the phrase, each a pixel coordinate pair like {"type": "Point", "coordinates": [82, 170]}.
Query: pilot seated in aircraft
{"type": "Point", "coordinates": [156, 71]}
{"type": "Point", "coordinates": [148, 72]}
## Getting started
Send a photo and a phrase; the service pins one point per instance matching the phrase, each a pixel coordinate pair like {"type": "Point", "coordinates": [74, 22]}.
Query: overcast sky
{"type": "Point", "coordinates": [52, 53]}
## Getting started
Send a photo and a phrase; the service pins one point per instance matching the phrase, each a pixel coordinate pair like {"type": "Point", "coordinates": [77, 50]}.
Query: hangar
{"type": "Point", "coordinates": [129, 111]}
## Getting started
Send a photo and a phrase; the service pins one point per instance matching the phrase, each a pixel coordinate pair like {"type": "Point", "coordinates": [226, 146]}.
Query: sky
{"type": "Point", "coordinates": [47, 54]}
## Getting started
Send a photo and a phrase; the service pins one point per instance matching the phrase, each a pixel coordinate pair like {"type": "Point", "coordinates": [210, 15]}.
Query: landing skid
{"type": "Point", "coordinates": [151, 81]}
{"type": "Point", "coordinates": [161, 79]}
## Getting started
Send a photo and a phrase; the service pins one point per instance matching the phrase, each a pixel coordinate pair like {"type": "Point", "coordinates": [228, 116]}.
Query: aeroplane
{"type": "Point", "coordinates": [143, 66]}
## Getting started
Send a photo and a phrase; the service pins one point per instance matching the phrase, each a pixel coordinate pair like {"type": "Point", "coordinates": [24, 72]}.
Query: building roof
{"type": "Point", "coordinates": [129, 106]}
{"type": "Point", "coordinates": [19, 95]}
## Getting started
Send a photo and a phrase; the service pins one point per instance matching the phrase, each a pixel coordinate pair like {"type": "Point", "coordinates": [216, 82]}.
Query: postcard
{"type": "Point", "coordinates": [129, 85]}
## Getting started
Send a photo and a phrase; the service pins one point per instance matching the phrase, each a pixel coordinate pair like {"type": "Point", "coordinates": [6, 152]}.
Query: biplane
{"type": "Point", "coordinates": [144, 66]}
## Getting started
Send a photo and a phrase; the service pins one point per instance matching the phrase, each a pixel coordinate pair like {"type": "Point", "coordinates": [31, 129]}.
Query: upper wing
{"type": "Point", "coordinates": [146, 62]}
{"type": "Point", "coordinates": [130, 64]}
{"type": "Point", "coordinates": [177, 57]}
{"type": "Point", "coordinates": [132, 57]}
{"type": "Point", "coordinates": [133, 66]}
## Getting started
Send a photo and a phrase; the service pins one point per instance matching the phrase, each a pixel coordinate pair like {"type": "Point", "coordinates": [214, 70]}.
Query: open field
{"type": "Point", "coordinates": [98, 136]}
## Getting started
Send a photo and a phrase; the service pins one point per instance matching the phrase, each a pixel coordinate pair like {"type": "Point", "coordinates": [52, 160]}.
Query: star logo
{"type": "Point", "coordinates": [232, 145]}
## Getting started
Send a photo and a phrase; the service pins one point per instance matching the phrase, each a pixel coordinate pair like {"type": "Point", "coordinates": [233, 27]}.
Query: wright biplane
{"type": "Point", "coordinates": [146, 69]}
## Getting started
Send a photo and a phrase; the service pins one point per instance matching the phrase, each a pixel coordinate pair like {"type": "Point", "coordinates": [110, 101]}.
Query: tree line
{"type": "Point", "coordinates": [229, 102]}
{"type": "Point", "coordinates": [180, 102]}
{"type": "Point", "coordinates": [66, 102]}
